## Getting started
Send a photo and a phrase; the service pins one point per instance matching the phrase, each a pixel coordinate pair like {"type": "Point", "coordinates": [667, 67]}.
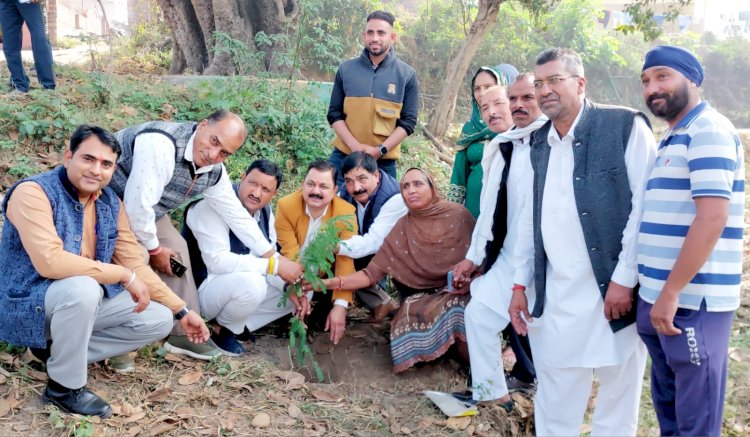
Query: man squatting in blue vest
{"type": "Point", "coordinates": [66, 255]}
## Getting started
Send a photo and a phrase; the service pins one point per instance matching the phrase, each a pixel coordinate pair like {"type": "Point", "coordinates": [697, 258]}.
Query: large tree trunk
{"type": "Point", "coordinates": [194, 22]}
{"type": "Point", "coordinates": [52, 22]}
{"type": "Point", "coordinates": [187, 35]}
{"type": "Point", "coordinates": [446, 103]}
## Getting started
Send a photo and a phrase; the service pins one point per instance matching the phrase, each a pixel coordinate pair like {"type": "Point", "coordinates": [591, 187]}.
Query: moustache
{"type": "Point", "coordinates": [358, 192]}
{"type": "Point", "coordinates": [251, 197]}
{"type": "Point", "coordinates": [315, 196]}
{"type": "Point", "coordinates": [493, 118]}
{"type": "Point", "coordinates": [520, 111]}
{"type": "Point", "coordinates": [653, 97]}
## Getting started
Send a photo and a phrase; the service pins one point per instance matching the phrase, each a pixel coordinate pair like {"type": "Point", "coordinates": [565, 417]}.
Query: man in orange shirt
{"type": "Point", "coordinates": [299, 216]}
{"type": "Point", "coordinates": [66, 255]}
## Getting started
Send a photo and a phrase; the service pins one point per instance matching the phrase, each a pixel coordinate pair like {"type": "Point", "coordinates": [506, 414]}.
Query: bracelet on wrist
{"type": "Point", "coordinates": [132, 278]}
{"type": "Point", "coordinates": [155, 251]}
{"type": "Point", "coordinates": [518, 288]}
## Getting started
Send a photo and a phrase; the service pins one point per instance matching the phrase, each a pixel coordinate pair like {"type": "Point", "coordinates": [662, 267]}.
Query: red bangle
{"type": "Point", "coordinates": [341, 283]}
{"type": "Point", "coordinates": [518, 288]}
{"type": "Point", "coordinates": [156, 251]}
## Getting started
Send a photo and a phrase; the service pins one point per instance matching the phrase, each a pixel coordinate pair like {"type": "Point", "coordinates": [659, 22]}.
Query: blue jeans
{"type": "Point", "coordinates": [337, 158]}
{"type": "Point", "coordinates": [12, 17]}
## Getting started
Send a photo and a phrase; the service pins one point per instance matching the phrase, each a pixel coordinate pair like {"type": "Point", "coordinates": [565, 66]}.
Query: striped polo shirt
{"type": "Point", "coordinates": [700, 157]}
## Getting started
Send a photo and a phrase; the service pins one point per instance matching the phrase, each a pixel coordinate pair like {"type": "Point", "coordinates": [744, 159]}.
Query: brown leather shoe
{"type": "Point", "coordinates": [380, 312]}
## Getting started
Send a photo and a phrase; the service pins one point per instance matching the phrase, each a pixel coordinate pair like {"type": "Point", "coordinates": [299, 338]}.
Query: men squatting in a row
{"type": "Point", "coordinates": [578, 210]}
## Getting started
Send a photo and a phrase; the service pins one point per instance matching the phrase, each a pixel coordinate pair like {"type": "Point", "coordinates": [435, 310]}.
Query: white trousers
{"type": "Point", "coordinates": [563, 395]}
{"type": "Point", "coordinates": [484, 326]}
{"type": "Point", "coordinates": [241, 299]}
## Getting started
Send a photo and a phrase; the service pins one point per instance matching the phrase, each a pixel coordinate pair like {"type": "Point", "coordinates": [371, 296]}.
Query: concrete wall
{"type": "Point", "coordinates": [75, 17]}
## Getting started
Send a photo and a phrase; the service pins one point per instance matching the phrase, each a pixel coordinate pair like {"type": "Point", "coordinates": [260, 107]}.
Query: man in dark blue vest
{"type": "Point", "coordinates": [66, 255]}
{"type": "Point", "coordinates": [237, 288]}
{"type": "Point", "coordinates": [577, 238]}
{"type": "Point", "coordinates": [377, 197]}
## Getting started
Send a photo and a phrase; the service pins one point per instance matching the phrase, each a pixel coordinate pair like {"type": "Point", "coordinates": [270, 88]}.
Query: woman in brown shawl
{"type": "Point", "coordinates": [420, 250]}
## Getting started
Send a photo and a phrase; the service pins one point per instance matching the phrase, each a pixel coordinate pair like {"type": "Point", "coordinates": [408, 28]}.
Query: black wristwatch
{"type": "Point", "coordinates": [383, 150]}
{"type": "Point", "coordinates": [181, 313]}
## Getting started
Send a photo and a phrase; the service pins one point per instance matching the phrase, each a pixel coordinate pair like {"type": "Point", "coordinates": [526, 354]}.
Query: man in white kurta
{"type": "Point", "coordinates": [574, 338]}
{"type": "Point", "coordinates": [241, 289]}
{"type": "Point", "coordinates": [486, 315]}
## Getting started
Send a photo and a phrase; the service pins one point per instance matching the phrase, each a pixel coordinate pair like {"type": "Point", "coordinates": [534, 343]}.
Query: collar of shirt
{"type": "Point", "coordinates": [554, 138]}
{"type": "Point", "coordinates": [313, 219]}
{"type": "Point", "coordinates": [521, 142]}
{"type": "Point", "coordinates": [189, 157]}
{"type": "Point", "coordinates": [71, 189]}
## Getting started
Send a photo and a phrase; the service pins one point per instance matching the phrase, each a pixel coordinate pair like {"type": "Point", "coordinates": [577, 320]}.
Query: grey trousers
{"type": "Point", "coordinates": [183, 287]}
{"type": "Point", "coordinates": [86, 327]}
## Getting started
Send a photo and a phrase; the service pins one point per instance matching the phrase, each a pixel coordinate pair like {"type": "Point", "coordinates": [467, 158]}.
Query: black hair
{"type": "Point", "coordinates": [84, 131]}
{"type": "Point", "coordinates": [219, 115]}
{"type": "Point", "coordinates": [267, 167]}
{"type": "Point", "coordinates": [323, 165]}
{"type": "Point", "coordinates": [570, 58]}
{"type": "Point", "coordinates": [381, 15]}
{"type": "Point", "coordinates": [359, 159]}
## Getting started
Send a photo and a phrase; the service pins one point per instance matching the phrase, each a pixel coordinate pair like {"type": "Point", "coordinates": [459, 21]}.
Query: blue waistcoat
{"type": "Point", "coordinates": [22, 289]}
{"type": "Point", "coordinates": [387, 188]}
{"type": "Point", "coordinates": [601, 190]}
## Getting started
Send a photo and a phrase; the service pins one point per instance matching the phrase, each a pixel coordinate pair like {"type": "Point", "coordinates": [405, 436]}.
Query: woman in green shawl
{"type": "Point", "coordinates": [466, 180]}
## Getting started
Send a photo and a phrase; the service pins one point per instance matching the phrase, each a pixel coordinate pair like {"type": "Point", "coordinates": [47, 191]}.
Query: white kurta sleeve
{"type": "Point", "coordinates": [639, 160]}
{"type": "Point", "coordinates": [523, 252]}
{"type": "Point", "coordinates": [360, 246]}
{"type": "Point", "coordinates": [225, 203]}
{"type": "Point", "coordinates": [153, 167]}
{"type": "Point", "coordinates": [212, 235]}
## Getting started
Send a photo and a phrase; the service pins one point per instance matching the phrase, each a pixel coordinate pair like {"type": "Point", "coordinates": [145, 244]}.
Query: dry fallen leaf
{"type": "Point", "coordinates": [294, 411]}
{"type": "Point", "coordinates": [3, 378]}
{"type": "Point", "coordinates": [261, 420]}
{"type": "Point", "coordinates": [134, 431]}
{"type": "Point", "coordinates": [278, 398]}
{"type": "Point", "coordinates": [184, 411]}
{"type": "Point", "coordinates": [35, 374]}
{"type": "Point", "coordinates": [230, 421]}
{"type": "Point", "coordinates": [294, 380]}
{"type": "Point", "coordinates": [161, 428]}
{"type": "Point", "coordinates": [173, 358]}
{"type": "Point", "coordinates": [405, 430]}
{"type": "Point", "coordinates": [326, 396]}
{"type": "Point", "coordinates": [5, 405]}
{"type": "Point", "coordinates": [135, 417]}
{"type": "Point", "coordinates": [191, 377]}
{"type": "Point", "coordinates": [160, 395]}
{"type": "Point", "coordinates": [458, 423]}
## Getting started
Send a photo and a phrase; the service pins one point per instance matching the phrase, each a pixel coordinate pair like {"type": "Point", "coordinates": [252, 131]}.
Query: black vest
{"type": "Point", "coordinates": [601, 189]}
{"type": "Point", "coordinates": [387, 188]}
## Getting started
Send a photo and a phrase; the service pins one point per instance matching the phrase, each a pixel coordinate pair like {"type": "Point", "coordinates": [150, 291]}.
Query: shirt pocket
{"type": "Point", "coordinates": [385, 120]}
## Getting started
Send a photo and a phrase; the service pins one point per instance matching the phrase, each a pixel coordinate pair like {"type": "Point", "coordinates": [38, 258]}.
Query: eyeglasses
{"type": "Point", "coordinates": [552, 81]}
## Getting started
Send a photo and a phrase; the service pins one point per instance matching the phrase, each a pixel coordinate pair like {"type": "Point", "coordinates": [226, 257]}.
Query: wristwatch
{"type": "Point", "coordinates": [383, 150]}
{"type": "Point", "coordinates": [181, 313]}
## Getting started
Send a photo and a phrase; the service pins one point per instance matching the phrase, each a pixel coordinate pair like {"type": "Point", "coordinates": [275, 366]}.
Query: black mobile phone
{"type": "Point", "coordinates": [177, 267]}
